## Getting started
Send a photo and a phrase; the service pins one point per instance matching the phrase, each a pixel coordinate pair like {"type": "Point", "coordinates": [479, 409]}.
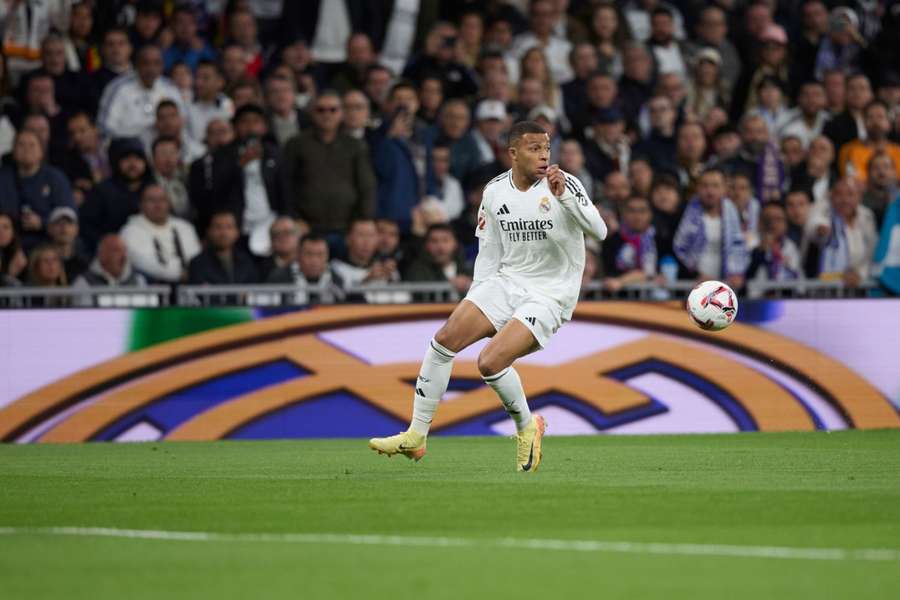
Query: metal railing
{"type": "Point", "coordinates": [386, 293]}
{"type": "Point", "coordinates": [86, 297]}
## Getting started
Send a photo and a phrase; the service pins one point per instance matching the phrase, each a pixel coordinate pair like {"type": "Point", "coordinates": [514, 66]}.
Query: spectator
{"type": "Point", "coordinates": [840, 49]}
{"type": "Point", "coordinates": [363, 265]}
{"type": "Point", "coordinates": [887, 254]}
{"type": "Point", "coordinates": [534, 66]}
{"type": "Point", "coordinates": [113, 200]}
{"type": "Point", "coordinates": [640, 176]}
{"type": "Point", "coordinates": [639, 14]}
{"type": "Point", "coordinates": [12, 258]}
{"type": "Point", "coordinates": [285, 240]}
{"type": "Point", "coordinates": [45, 116]}
{"type": "Point", "coordinates": [285, 119]}
{"type": "Point", "coordinates": [759, 159]}
{"type": "Point", "coordinates": [667, 50]}
{"type": "Point", "coordinates": [30, 190]}
{"type": "Point", "coordinates": [111, 268]}
{"type": "Point", "coordinates": [530, 96]}
{"type": "Point", "coordinates": [222, 262]}
{"type": "Point", "coordinates": [87, 162]}
{"type": "Point", "coordinates": [219, 133]}
{"type": "Point", "coordinates": [708, 88]}
{"type": "Point", "coordinates": [209, 101]}
{"type": "Point", "coordinates": [330, 177]}
{"type": "Point", "coordinates": [242, 31]}
{"type": "Point", "coordinates": [850, 124]}
{"type": "Point", "coordinates": [389, 242]}
{"type": "Point", "coordinates": [771, 105]}
{"type": "Point", "coordinates": [881, 186]}
{"type": "Point", "coordinates": [68, 85]}
{"type": "Point", "coordinates": [807, 121]}
{"type": "Point", "coordinates": [835, 83]}
{"type": "Point", "coordinates": [148, 22]}
{"type": "Point", "coordinates": [309, 271]}
{"type": "Point", "coordinates": [571, 160]}
{"type": "Point", "coordinates": [792, 151]}
{"type": "Point", "coordinates": [45, 269]}
{"type": "Point", "coordinates": [609, 150]}
{"type": "Point", "coordinates": [798, 205]}
{"type": "Point", "coordinates": [471, 34]}
{"type": "Point", "coordinates": [777, 257]}
{"type": "Point", "coordinates": [396, 152]}
{"type": "Point", "coordinates": [690, 150]}
{"type": "Point", "coordinates": [431, 97]}
{"type": "Point", "coordinates": [246, 178]}
{"type": "Point", "coordinates": [816, 175]}
{"type": "Point", "coordinates": [854, 156]}
{"type": "Point", "coordinates": [634, 88]}
{"type": "Point", "coordinates": [244, 92]}
{"type": "Point", "coordinates": [659, 144]}
{"type": "Point", "coordinates": [772, 63]}
{"type": "Point", "coordinates": [234, 65]}
{"type": "Point", "coordinates": [616, 191]}
{"type": "Point", "coordinates": [116, 53]}
{"type": "Point", "coordinates": [62, 227]}
{"type": "Point", "coordinates": [813, 29]}
{"type": "Point", "coordinates": [708, 241]}
{"type": "Point", "coordinates": [540, 34]}
{"type": "Point", "coordinates": [169, 175]}
{"type": "Point", "coordinates": [170, 123]}
{"type": "Point", "coordinates": [351, 74]}
{"type": "Point", "coordinates": [631, 254]}
{"type": "Point", "coordinates": [160, 245]}
{"type": "Point", "coordinates": [842, 245]}
{"type": "Point", "coordinates": [377, 87]}
{"type": "Point", "coordinates": [748, 206]}
{"type": "Point", "coordinates": [128, 105]}
{"type": "Point", "coordinates": [441, 260]}
{"type": "Point", "coordinates": [439, 58]}
{"type": "Point", "coordinates": [609, 33]}
{"type": "Point", "coordinates": [447, 187]}
{"type": "Point", "coordinates": [357, 114]}
{"type": "Point", "coordinates": [187, 47]}
{"type": "Point", "coordinates": [81, 54]}
{"type": "Point", "coordinates": [601, 96]}
{"type": "Point", "coordinates": [665, 198]}
{"type": "Point", "coordinates": [584, 61]}
{"type": "Point", "coordinates": [712, 33]}
{"type": "Point", "coordinates": [726, 143]}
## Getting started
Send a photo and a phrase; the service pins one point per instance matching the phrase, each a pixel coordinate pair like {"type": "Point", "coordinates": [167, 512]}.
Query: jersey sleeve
{"type": "Point", "coordinates": [575, 201]}
{"type": "Point", "coordinates": [487, 262]}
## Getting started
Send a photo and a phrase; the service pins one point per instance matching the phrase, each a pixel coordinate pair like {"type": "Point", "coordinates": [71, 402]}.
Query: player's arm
{"type": "Point", "coordinates": [487, 262]}
{"type": "Point", "coordinates": [571, 195]}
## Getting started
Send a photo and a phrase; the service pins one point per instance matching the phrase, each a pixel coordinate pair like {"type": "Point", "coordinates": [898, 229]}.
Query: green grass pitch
{"type": "Point", "coordinates": [818, 490]}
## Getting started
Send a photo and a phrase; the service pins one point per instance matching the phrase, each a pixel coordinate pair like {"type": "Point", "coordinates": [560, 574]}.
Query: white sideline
{"type": "Point", "coordinates": [718, 550]}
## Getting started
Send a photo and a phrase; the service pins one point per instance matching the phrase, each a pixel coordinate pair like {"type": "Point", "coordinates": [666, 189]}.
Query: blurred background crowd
{"type": "Point", "coordinates": [334, 143]}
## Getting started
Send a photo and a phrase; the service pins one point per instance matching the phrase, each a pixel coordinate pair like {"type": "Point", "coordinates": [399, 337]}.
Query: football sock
{"type": "Point", "coordinates": [509, 387]}
{"type": "Point", "coordinates": [434, 375]}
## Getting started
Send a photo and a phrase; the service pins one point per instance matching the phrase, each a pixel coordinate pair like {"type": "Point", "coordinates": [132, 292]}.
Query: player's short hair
{"type": "Point", "coordinates": [522, 128]}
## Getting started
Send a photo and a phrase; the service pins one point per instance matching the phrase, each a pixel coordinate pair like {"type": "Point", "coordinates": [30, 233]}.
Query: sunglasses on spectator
{"type": "Point", "coordinates": [327, 109]}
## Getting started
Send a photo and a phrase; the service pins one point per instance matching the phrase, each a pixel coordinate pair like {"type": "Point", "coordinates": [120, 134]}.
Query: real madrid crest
{"type": "Point", "coordinates": [544, 205]}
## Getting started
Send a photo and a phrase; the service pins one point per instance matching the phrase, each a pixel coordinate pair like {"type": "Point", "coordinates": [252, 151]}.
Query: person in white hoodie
{"type": "Point", "coordinates": [159, 245]}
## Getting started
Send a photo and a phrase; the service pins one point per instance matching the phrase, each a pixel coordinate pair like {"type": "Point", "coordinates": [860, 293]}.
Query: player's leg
{"type": "Point", "coordinates": [466, 325]}
{"type": "Point", "coordinates": [529, 330]}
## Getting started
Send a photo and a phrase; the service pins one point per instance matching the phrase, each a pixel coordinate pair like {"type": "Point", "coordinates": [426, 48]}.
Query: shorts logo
{"type": "Point", "coordinates": [544, 205]}
{"type": "Point", "coordinates": [503, 210]}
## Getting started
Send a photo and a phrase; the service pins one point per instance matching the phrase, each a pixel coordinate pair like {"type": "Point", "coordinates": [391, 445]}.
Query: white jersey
{"type": "Point", "coordinates": [128, 109]}
{"type": "Point", "coordinates": [534, 239]}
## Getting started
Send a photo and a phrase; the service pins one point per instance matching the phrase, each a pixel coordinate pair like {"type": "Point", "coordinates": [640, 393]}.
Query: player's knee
{"type": "Point", "coordinates": [445, 338]}
{"type": "Point", "coordinates": [489, 364]}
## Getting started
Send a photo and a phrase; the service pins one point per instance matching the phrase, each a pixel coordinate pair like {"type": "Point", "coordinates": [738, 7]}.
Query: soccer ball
{"type": "Point", "coordinates": [712, 305]}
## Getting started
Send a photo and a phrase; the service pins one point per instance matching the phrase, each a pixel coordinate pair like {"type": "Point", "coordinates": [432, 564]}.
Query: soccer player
{"type": "Point", "coordinates": [530, 230]}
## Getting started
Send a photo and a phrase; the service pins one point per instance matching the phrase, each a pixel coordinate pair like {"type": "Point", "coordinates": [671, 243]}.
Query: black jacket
{"type": "Point", "coordinates": [840, 130]}
{"type": "Point", "coordinates": [219, 183]}
{"type": "Point", "coordinates": [207, 268]}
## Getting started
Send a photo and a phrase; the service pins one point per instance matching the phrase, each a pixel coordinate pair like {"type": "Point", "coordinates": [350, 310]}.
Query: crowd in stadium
{"type": "Point", "coordinates": [340, 142]}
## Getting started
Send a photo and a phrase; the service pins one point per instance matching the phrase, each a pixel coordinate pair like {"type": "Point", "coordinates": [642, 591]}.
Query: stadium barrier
{"type": "Point", "coordinates": [389, 293]}
{"type": "Point", "coordinates": [348, 371]}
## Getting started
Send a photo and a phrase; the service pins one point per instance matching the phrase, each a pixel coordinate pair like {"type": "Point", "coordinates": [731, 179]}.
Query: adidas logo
{"type": "Point", "coordinates": [503, 210]}
{"type": "Point", "coordinates": [531, 320]}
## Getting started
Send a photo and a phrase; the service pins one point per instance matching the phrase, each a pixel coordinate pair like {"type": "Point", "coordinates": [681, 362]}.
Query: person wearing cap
{"type": "Point", "coordinates": [128, 105]}
{"type": "Point", "coordinates": [708, 87]}
{"type": "Point", "coordinates": [246, 177]}
{"type": "Point", "coordinates": [712, 32]}
{"type": "Point", "coordinates": [772, 62]}
{"type": "Point", "coordinates": [842, 48]}
{"type": "Point", "coordinates": [490, 122]}
{"type": "Point", "coordinates": [31, 189]}
{"type": "Point", "coordinates": [110, 203]}
{"type": "Point", "coordinates": [609, 149]}
{"type": "Point", "coordinates": [62, 227]}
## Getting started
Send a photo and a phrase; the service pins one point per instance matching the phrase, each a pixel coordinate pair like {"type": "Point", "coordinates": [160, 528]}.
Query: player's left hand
{"type": "Point", "coordinates": [556, 180]}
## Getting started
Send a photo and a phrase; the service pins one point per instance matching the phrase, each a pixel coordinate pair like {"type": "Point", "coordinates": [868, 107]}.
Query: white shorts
{"type": "Point", "coordinates": [500, 300]}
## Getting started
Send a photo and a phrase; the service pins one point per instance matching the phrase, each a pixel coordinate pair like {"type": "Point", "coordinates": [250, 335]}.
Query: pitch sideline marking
{"type": "Point", "coordinates": [717, 550]}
